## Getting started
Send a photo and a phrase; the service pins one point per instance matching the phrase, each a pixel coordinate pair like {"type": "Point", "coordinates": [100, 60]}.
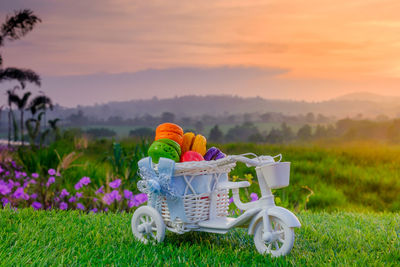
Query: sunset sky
{"type": "Point", "coordinates": [123, 49]}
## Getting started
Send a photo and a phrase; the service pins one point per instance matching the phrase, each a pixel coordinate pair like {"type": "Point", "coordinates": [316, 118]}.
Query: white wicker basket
{"type": "Point", "coordinates": [197, 204]}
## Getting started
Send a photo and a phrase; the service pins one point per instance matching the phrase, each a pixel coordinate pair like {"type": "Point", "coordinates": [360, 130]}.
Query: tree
{"type": "Point", "coordinates": [14, 28]}
{"type": "Point", "coordinates": [167, 117]}
{"type": "Point", "coordinates": [55, 129]}
{"type": "Point", "coordinates": [320, 131]}
{"type": "Point", "coordinates": [21, 104]}
{"type": "Point", "coordinates": [33, 128]}
{"type": "Point", "coordinates": [142, 132]}
{"type": "Point", "coordinates": [241, 133]}
{"type": "Point", "coordinates": [275, 136]}
{"type": "Point", "coordinates": [287, 133]}
{"type": "Point", "coordinates": [304, 132]}
{"type": "Point", "coordinates": [310, 118]}
{"type": "Point", "coordinates": [10, 94]}
{"type": "Point", "coordinates": [41, 102]}
{"type": "Point", "coordinates": [216, 135]}
{"type": "Point", "coordinates": [199, 126]}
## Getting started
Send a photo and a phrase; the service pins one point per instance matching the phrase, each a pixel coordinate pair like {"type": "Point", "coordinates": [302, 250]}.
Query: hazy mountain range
{"type": "Point", "coordinates": [368, 104]}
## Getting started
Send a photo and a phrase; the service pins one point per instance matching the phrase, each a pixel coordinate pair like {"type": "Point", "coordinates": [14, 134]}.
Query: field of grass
{"type": "Point", "coordinates": [351, 177]}
{"type": "Point", "coordinates": [56, 237]}
{"type": "Point", "coordinates": [324, 177]}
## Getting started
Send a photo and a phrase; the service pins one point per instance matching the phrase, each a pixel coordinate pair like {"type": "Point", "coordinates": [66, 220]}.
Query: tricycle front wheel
{"type": "Point", "coordinates": [148, 225]}
{"type": "Point", "coordinates": [278, 242]}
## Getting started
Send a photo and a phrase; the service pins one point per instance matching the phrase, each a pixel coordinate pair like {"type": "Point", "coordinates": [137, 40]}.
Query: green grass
{"type": "Point", "coordinates": [53, 238]}
{"type": "Point", "coordinates": [358, 177]}
{"type": "Point", "coordinates": [352, 177]}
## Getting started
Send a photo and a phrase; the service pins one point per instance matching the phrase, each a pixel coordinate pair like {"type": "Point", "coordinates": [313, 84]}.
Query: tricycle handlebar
{"type": "Point", "coordinates": [256, 161]}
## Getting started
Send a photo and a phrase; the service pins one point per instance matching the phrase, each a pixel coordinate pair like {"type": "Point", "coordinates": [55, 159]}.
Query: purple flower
{"type": "Point", "coordinates": [63, 206]}
{"type": "Point", "coordinates": [5, 201]}
{"type": "Point", "coordinates": [13, 164]}
{"type": "Point", "coordinates": [115, 194]}
{"type": "Point", "coordinates": [94, 210]}
{"type": "Point", "coordinates": [254, 197]}
{"type": "Point", "coordinates": [34, 196]}
{"type": "Point", "coordinates": [50, 181]}
{"type": "Point", "coordinates": [35, 175]}
{"type": "Point", "coordinates": [109, 198]}
{"type": "Point", "coordinates": [17, 174]}
{"type": "Point", "coordinates": [36, 205]}
{"type": "Point", "coordinates": [78, 186]}
{"type": "Point", "coordinates": [84, 181]}
{"type": "Point", "coordinates": [106, 209]}
{"type": "Point", "coordinates": [4, 189]}
{"type": "Point", "coordinates": [230, 200]}
{"type": "Point", "coordinates": [78, 195]}
{"type": "Point", "coordinates": [100, 190]}
{"type": "Point", "coordinates": [19, 193]}
{"type": "Point", "coordinates": [132, 203]}
{"type": "Point", "coordinates": [1, 169]}
{"type": "Point", "coordinates": [64, 193]}
{"type": "Point", "coordinates": [51, 172]}
{"type": "Point", "coordinates": [79, 206]}
{"type": "Point", "coordinates": [71, 199]}
{"type": "Point", "coordinates": [23, 174]}
{"type": "Point", "coordinates": [128, 194]}
{"type": "Point", "coordinates": [58, 174]}
{"type": "Point", "coordinates": [31, 181]}
{"type": "Point", "coordinates": [56, 199]}
{"type": "Point", "coordinates": [141, 198]}
{"type": "Point", "coordinates": [95, 199]}
{"type": "Point", "coordinates": [115, 184]}
{"type": "Point", "coordinates": [7, 173]}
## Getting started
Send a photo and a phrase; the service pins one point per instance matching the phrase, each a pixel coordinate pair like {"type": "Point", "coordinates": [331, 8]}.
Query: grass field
{"type": "Point", "coordinates": [352, 177]}
{"type": "Point", "coordinates": [54, 238]}
{"type": "Point", "coordinates": [324, 177]}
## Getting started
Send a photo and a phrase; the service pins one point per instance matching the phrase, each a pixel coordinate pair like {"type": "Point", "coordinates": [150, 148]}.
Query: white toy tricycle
{"type": "Point", "coordinates": [193, 196]}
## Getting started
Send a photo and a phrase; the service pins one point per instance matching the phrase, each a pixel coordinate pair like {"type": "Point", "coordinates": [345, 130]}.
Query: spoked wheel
{"type": "Point", "coordinates": [147, 225]}
{"type": "Point", "coordinates": [278, 242]}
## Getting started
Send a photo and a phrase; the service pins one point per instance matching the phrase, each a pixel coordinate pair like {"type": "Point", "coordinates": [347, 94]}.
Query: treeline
{"type": "Point", "coordinates": [346, 129]}
{"type": "Point", "coordinates": [198, 122]}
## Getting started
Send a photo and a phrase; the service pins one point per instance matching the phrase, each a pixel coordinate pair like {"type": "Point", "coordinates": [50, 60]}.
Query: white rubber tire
{"type": "Point", "coordinates": [148, 225]}
{"type": "Point", "coordinates": [282, 246]}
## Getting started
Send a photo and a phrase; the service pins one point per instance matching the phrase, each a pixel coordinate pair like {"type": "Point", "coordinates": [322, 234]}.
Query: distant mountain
{"type": "Point", "coordinates": [368, 97]}
{"type": "Point", "coordinates": [369, 105]}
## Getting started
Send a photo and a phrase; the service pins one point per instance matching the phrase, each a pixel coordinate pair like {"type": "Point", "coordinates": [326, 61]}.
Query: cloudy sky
{"type": "Point", "coordinates": [95, 51]}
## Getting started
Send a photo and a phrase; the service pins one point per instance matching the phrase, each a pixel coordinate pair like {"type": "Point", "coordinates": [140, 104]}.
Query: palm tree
{"type": "Point", "coordinates": [40, 102]}
{"type": "Point", "coordinates": [15, 27]}
{"type": "Point", "coordinates": [21, 104]}
{"type": "Point", "coordinates": [11, 95]}
{"type": "Point", "coordinates": [33, 128]}
{"type": "Point", "coordinates": [54, 128]}
{"type": "Point", "coordinates": [1, 113]}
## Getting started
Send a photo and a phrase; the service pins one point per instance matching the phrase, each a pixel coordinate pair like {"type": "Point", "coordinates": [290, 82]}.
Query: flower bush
{"type": "Point", "coordinates": [19, 189]}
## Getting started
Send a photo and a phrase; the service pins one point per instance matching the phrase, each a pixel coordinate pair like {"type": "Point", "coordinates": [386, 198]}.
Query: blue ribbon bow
{"type": "Point", "coordinates": [158, 184]}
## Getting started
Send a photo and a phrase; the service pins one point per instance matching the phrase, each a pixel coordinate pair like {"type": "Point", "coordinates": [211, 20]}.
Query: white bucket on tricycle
{"type": "Point", "coordinates": [194, 196]}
